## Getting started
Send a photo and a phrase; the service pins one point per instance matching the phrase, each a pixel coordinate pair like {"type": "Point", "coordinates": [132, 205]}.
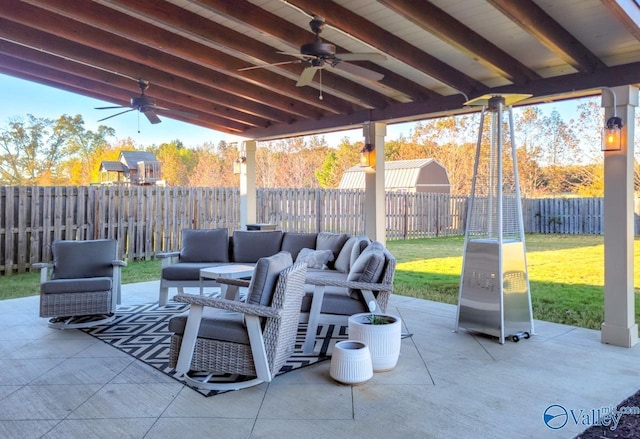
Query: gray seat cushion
{"type": "Point", "coordinates": [249, 246]}
{"type": "Point", "coordinates": [335, 303]}
{"type": "Point", "coordinates": [186, 270]}
{"type": "Point", "coordinates": [294, 242]}
{"type": "Point", "coordinates": [82, 259]}
{"type": "Point", "coordinates": [265, 277]}
{"type": "Point", "coordinates": [216, 324]}
{"type": "Point", "coordinates": [205, 245]}
{"type": "Point", "coordinates": [77, 285]}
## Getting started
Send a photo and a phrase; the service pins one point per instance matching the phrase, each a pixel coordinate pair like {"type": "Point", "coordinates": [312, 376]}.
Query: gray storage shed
{"type": "Point", "coordinates": [417, 175]}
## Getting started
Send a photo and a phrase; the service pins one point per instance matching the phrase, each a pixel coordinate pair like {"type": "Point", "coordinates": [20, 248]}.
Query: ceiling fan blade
{"type": "Point", "coordinates": [296, 54]}
{"type": "Point", "coordinates": [359, 71]}
{"type": "Point", "coordinates": [307, 76]}
{"type": "Point", "coordinates": [111, 108]}
{"type": "Point", "coordinates": [373, 57]}
{"type": "Point", "coordinates": [151, 115]}
{"type": "Point", "coordinates": [269, 65]}
{"type": "Point", "coordinates": [117, 114]}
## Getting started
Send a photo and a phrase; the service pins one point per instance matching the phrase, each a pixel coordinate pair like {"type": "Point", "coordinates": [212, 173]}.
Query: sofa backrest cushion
{"type": "Point", "coordinates": [315, 258]}
{"type": "Point", "coordinates": [265, 277]}
{"type": "Point", "coordinates": [368, 267]}
{"type": "Point", "coordinates": [205, 245]}
{"type": "Point", "coordinates": [249, 246]}
{"type": "Point", "coordinates": [83, 259]}
{"type": "Point", "coordinates": [294, 242]}
{"type": "Point", "coordinates": [345, 259]}
{"type": "Point", "coordinates": [331, 241]}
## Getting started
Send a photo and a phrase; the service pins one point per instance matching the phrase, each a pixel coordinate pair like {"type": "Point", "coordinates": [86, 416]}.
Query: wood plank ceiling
{"type": "Point", "coordinates": [439, 53]}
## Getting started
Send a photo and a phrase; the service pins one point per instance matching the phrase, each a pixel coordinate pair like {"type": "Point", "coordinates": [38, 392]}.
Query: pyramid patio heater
{"type": "Point", "coordinates": [494, 297]}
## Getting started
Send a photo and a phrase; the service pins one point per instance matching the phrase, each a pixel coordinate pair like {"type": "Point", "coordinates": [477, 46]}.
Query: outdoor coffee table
{"type": "Point", "coordinates": [231, 271]}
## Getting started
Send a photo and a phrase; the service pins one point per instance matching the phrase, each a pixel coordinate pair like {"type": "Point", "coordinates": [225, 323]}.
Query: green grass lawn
{"type": "Point", "coordinates": [566, 274]}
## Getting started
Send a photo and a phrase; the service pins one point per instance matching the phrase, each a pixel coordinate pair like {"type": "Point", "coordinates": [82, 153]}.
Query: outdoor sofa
{"type": "Point", "coordinates": [346, 273]}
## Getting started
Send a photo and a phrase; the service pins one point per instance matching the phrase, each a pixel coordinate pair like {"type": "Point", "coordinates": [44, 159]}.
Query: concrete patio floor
{"type": "Point", "coordinates": [67, 384]}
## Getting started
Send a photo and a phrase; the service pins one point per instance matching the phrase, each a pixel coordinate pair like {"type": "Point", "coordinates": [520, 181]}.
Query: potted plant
{"type": "Point", "coordinates": [382, 333]}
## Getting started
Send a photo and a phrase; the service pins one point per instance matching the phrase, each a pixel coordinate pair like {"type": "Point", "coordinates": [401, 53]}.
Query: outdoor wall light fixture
{"type": "Point", "coordinates": [368, 156]}
{"type": "Point", "coordinates": [242, 158]}
{"type": "Point", "coordinates": [611, 133]}
{"type": "Point", "coordinates": [237, 165]}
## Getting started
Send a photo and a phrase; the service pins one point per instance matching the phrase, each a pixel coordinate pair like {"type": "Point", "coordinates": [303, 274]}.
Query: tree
{"type": "Point", "coordinates": [177, 162]}
{"type": "Point", "coordinates": [31, 152]}
{"type": "Point", "coordinates": [85, 148]}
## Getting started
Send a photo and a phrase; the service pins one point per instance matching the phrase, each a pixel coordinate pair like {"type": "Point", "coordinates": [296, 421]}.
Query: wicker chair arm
{"type": "Point", "coordinates": [349, 284]}
{"type": "Point", "coordinates": [230, 305]}
{"type": "Point", "coordinates": [40, 265]}
{"type": "Point", "coordinates": [234, 282]}
{"type": "Point", "coordinates": [172, 254]}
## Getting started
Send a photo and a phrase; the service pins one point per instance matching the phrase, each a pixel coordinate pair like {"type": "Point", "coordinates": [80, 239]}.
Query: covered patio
{"type": "Point", "coordinates": [439, 54]}
{"type": "Point", "coordinates": [62, 384]}
{"type": "Point", "coordinates": [269, 69]}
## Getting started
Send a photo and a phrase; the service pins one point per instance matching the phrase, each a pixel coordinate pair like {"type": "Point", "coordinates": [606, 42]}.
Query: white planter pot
{"type": "Point", "coordinates": [383, 339]}
{"type": "Point", "coordinates": [351, 362]}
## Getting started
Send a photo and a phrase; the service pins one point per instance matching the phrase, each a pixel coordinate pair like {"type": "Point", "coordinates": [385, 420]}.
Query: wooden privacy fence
{"type": "Point", "coordinates": [146, 220]}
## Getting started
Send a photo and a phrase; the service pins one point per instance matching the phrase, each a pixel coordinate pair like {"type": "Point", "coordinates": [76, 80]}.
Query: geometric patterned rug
{"type": "Point", "coordinates": [142, 332]}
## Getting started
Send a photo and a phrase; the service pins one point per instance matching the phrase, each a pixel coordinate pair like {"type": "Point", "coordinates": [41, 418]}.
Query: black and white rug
{"type": "Point", "coordinates": [142, 332]}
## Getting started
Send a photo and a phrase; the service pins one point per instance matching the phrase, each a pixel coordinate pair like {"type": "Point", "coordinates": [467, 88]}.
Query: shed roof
{"type": "Point", "coordinates": [397, 174]}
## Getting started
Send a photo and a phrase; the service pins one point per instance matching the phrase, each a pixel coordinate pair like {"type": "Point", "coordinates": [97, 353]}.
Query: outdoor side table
{"type": "Point", "coordinates": [230, 271]}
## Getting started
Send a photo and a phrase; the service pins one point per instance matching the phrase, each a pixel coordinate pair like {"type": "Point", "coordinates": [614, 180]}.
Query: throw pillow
{"type": "Point", "coordinates": [345, 258]}
{"type": "Point", "coordinates": [331, 241]}
{"type": "Point", "coordinates": [315, 258]}
{"type": "Point", "coordinates": [369, 265]}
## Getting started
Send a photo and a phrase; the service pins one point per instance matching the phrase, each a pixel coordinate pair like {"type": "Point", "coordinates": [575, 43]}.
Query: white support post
{"type": "Point", "coordinates": [619, 327]}
{"type": "Point", "coordinates": [374, 201]}
{"type": "Point", "coordinates": [248, 185]}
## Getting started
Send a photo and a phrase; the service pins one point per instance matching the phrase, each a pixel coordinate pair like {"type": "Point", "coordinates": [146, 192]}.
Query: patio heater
{"type": "Point", "coordinates": [494, 297]}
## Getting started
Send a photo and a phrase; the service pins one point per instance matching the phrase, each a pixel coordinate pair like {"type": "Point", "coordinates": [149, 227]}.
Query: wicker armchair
{"type": "Point", "coordinates": [81, 288]}
{"type": "Point", "coordinates": [254, 341]}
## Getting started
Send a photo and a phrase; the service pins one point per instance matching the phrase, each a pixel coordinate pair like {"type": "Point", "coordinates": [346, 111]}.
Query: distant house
{"type": "Point", "coordinates": [418, 175]}
{"type": "Point", "coordinates": [132, 168]}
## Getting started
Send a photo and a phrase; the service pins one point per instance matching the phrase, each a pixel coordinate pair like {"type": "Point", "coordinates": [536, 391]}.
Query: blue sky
{"type": "Point", "coordinates": [19, 98]}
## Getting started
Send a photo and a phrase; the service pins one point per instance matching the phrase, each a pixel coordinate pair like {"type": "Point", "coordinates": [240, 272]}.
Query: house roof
{"type": "Point", "coordinates": [131, 158]}
{"type": "Point", "coordinates": [112, 166]}
{"type": "Point", "coordinates": [397, 174]}
{"type": "Point", "coordinates": [439, 54]}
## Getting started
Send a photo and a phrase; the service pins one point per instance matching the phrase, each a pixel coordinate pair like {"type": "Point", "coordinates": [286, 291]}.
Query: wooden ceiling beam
{"type": "Point", "coordinates": [437, 22]}
{"type": "Point", "coordinates": [251, 15]}
{"type": "Point", "coordinates": [209, 33]}
{"type": "Point", "coordinates": [162, 73]}
{"type": "Point", "coordinates": [368, 32]}
{"type": "Point", "coordinates": [92, 18]}
{"type": "Point", "coordinates": [141, 56]}
{"type": "Point", "coordinates": [532, 18]}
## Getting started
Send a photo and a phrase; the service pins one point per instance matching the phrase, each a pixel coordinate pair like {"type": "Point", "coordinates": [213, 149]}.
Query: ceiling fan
{"type": "Point", "coordinates": [142, 103]}
{"type": "Point", "coordinates": [320, 55]}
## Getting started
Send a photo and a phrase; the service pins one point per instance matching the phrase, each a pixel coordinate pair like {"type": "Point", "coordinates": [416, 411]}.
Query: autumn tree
{"type": "Point", "coordinates": [177, 162]}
